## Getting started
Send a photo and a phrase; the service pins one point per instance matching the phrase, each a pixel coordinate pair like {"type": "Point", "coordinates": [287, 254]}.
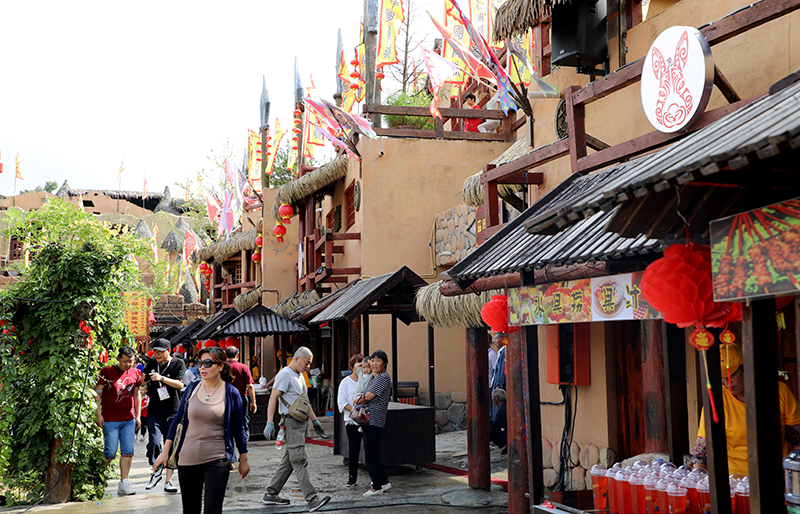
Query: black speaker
{"type": "Point", "coordinates": [578, 35]}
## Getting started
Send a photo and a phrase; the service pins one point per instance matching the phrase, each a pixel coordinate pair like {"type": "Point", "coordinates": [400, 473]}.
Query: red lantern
{"type": "Point", "coordinates": [286, 212]}
{"type": "Point", "coordinates": [354, 86]}
{"type": "Point", "coordinates": [295, 138]}
{"type": "Point", "coordinates": [222, 344]}
{"type": "Point", "coordinates": [180, 349]}
{"type": "Point", "coordinates": [294, 147]}
{"type": "Point", "coordinates": [354, 62]}
{"type": "Point", "coordinates": [296, 113]}
{"type": "Point", "coordinates": [354, 75]}
{"type": "Point", "coordinates": [297, 130]}
{"type": "Point", "coordinates": [209, 272]}
{"type": "Point", "coordinates": [203, 266]}
{"type": "Point", "coordinates": [199, 345]}
{"type": "Point", "coordinates": [495, 314]}
{"type": "Point", "coordinates": [680, 287]}
{"type": "Point", "coordinates": [208, 284]}
{"type": "Point", "coordinates": [232, 341]}
{"type": "Point", "coordinates": [380, 75]}
{"type": "Point", "coordinates": [209, 343]}
{"type": "Point", "coordinates": [150, 354]}
{"type": "Point", "coordinates": [256, 257]}
{"type": "Point", "coordinates": [279, 231]}
{"type": "Point", "coordinates": [259, 241]}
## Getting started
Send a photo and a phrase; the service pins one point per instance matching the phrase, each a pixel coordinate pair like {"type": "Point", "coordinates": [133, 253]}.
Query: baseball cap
{"type": "Point", "coordinates": [160, 344]}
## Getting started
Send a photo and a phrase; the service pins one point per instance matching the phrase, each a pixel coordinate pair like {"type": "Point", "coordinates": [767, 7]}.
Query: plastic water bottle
{"type": "Point", "coordinates": [281, 436]}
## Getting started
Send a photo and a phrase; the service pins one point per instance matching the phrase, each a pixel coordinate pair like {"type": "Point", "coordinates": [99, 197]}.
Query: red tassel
{"type": "Point", "coordinates": [715, 416]}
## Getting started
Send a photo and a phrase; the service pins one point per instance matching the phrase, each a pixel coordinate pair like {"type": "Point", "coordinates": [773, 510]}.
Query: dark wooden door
{"type": "Point", "coordinates": [630, 392]}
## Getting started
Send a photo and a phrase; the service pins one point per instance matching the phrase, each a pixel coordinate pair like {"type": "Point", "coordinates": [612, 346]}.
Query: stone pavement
{"type": "Point", "coordinates": [428, 491]}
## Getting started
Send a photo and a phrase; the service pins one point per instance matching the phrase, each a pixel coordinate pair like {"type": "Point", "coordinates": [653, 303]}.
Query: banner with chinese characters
{"type": "Point", "coordinates": [136, 314]}
{"type": "Point", "coordinates": [617, 297]}
{"type": "Point", "coordinates": [755, 253]}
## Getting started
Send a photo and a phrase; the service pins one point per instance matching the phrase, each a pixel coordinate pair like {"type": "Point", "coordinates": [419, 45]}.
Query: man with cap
{"type": "Point", "coordinates": [163, 379]}
{"type": "Point", "coordinates": [735, 415]}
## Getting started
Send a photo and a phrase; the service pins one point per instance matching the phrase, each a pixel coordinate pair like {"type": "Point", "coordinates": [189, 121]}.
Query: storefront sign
{"type": "Point", "coordinates": [617, 297]}
{"type": "Point", "coordinates": [136, 314]}
{"type": "Point", "coordinates": [677, 78]}
{"type": "Point", "coordinates": [755, 253]}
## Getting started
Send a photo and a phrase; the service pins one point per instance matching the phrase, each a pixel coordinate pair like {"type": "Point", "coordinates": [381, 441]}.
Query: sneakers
{"type": "Point", "coordinates": [386, 486]}
{"type": "Point", "coordinates": [315, 505]}
{"type": "Point", "coordinates": [350, 483]}
{"type": "Point", "coordinates": [155, 478]}
{"type": "Point", "coordinates": [169, 487]}
{"type": "Point", "coordinates": [371, 492]}
{"type": "Point", "coordinates": [125, 488]}
{"type": "Point", "coordinates": [274, 499]}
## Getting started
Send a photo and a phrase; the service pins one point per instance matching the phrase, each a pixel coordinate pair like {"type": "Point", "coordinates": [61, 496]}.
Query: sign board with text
{"type": "Point", "coordinates": [136, 311]}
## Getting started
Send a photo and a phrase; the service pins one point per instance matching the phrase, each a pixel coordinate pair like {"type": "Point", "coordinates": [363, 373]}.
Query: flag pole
{"type": "Point", "coordinates": [14, 201]}
{"type": "Point", "coordinates": [119, 191]}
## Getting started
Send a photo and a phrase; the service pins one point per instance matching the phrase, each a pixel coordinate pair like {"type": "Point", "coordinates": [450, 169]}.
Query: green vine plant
{"type": "Point", "coordinates": [71, 258]}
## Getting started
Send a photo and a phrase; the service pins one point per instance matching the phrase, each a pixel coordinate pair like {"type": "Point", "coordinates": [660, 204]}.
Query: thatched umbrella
{"type": "Point", "coordinates": [288, 305]}
{"type": "Point", "coordinates": [246, 300]}
{"type": "Point", "coordinates": [516, 16]}
{"type": "Point", "coordinates": [309, 184]}
{"type": "Point", "coordinates": [451, 311]}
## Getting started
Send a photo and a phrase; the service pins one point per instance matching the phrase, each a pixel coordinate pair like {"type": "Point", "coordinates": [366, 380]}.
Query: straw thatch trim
{"type": "Point", "coordinates": [246, 300]}
{"type": "Point", "coordinates": [516, 16]}
{"type": "Point", "coordinates": [472, 192]}
{"type": "Point", "coordinates": [309, 184]}
{"type": "Point", "coordinates": [288, 305]}
{"type": "Point", "coordinates": [224, 250]}
{"type": "Point", "coordinates": [451, 311]}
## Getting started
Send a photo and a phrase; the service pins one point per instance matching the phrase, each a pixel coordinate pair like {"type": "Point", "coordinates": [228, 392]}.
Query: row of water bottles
{"type": "Point", "coordinates": [660, 487]}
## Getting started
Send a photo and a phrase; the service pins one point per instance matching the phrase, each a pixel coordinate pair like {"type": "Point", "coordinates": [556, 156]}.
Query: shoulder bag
{"type": "Point", "coordinates": [299, 408]}
{"type": "Point", "coordinates": [360, 414]}
{"type": "Point", "coordinates": [172, 462]}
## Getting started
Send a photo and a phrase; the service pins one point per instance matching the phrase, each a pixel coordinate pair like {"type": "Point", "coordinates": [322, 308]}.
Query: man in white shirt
{"type": "Point", "coordinates": [491, 125]}
{"type": "Point", "coordinates": [288, 387]}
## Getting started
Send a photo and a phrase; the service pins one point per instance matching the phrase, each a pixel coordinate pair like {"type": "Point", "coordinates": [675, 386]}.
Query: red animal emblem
{"type": "Point", "coordinates": [674, 99]}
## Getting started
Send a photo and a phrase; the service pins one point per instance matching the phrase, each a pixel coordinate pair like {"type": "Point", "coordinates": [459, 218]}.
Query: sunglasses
{"type": "Point", "coordinates": [207, 363]}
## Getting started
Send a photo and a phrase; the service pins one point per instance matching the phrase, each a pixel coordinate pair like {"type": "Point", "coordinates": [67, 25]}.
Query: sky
{"type": "Point", "coordinates": [84, 84]}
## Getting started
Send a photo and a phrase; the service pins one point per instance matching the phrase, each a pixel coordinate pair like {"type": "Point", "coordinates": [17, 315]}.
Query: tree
{"type": "Point", "coordinates": [47, 406]}
{"type": "Point", "coordinates": [408, 41]}
{"type": "Point", "coordinates": [280, 174]}
{"type": "Point", "coordinates": [49, 186]}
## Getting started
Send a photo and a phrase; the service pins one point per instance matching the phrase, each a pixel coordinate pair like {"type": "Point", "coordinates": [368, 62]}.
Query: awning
{"type": "Point", "coordinates": [513, 248]}
{"type": "Point", "coordinates": [187, 332]}
{"type": "Point", "coordinates": [213, 323]}
{"type": "Point", "coordinates": [698, 178]}
{"type": "Point", "coordinates": [309, 311]}
{"type": "Point", "coordinates": [163, 332]}
{"type": "Point", "coordinates": [259, 321]}
{"type": "Point", "coordinates": [392, 293]}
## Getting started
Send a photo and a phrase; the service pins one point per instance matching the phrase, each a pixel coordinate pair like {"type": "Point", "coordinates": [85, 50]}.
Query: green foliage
{"type": "Point", "coordinates": [74, 257]}
{"type": "Point", "coordinates": [416, 100]}
{"type": "Point", "coordinates": [50, 186]}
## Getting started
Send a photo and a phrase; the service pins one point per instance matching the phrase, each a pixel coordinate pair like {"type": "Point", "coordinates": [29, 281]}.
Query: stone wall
{"type": "Point", "coordinates": [582, 458]}
{"type": "Point", "coordinates": [455, 234]}
{"type": "Point", "coordinates": [451, 410]}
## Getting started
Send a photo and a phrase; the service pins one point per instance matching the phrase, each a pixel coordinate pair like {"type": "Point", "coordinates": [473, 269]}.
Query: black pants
{"type": "Point", "coordinates": [377, 473]}
{"type": "Point", "coordinates": [214, 476]}
{"type": "Point", "coordinates": [354, 447]}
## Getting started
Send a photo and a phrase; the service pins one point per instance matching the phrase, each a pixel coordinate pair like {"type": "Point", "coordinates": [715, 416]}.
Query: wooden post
{"type": "Point", "coordinates": [478, 409]}
{"type": "Point", "coordinates": [336, 378]}
{"type": "Point", "coordinates": [675, 387]}
{"type": "Point", "coordinates": [716, 445]}
{"type": "Point", "coordinates": [365, 334]}
{"type": "Point", "coordinates": [576, 127]}
{"type": "Point", "coordinates": [518, 503]}
{"type": "Point", "coordinates": [431, 369]}
{"type": "Point", "coordinates": [490, 200]}
{"type": "Point", "coordinates": [394, 357]}
{"type": "Point", "coordinates": [764, 448]}
{"type": "Point", "coordinates": [655, 433]}
{"type": "Point", "coordinates": [355, 337]}
{"type": "Point", "coordinates": [534, 418]}
{"type": "Point", "coordinates": [61, 490]}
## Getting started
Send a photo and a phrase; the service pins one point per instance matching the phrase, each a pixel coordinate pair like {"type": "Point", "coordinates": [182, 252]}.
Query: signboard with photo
{"type": "Point", "coordinates": [757, 253]}
{"type": "Point", "coordinates": [617, 297]}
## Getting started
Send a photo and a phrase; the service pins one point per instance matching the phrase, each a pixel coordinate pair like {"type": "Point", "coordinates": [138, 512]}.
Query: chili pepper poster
{"type": "Point", "coordinates": [136, 314]}
{"type": "Point", "coordinates": [757, 253]}
{"type": "Point", "coordinates": [617, 297]}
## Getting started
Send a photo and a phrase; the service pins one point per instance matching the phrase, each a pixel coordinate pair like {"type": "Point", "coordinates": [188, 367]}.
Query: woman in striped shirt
{"type": "Point", "coordinates": [377, 396]}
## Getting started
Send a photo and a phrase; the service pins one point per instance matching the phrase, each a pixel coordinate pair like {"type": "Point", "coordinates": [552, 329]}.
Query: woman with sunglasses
{"type": "Point", "coordinates": [211, 413]}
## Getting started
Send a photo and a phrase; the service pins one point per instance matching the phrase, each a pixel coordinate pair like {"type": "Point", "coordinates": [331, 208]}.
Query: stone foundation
{"type": "Point", "coordinates": [451, 410]}
{"type": "Point", "coordinates": [581, 459]}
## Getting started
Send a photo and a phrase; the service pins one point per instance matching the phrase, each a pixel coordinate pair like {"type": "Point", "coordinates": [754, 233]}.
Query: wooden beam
{"type": "Point", "coordinates": [716, 446]}
{"type": "Point", "coordinates": [534, 413]}
{"type": "Point", "coordinates": [595, 143]}
{"type": "Point", "coordinates": [447, 112]}
{"type": "Point", "coordinates": [478, 409]}
{"type": "Point", "coordinates": [352, 236]}
{"type": "Point", "coordinates": [746, 19]}
{"type": "Point", "coordinates": [365, 334]}
{"type": "Point", "coordinates": [518, 502]}
{"type": "Point", "coordinates": [513, 171]}
{"type": "Point", "coordinates": [355, 337]}
{"type": "Point", "coordinates": [576, 128]}
{"type": "Point", "coordinates": [675, 389]}
{"type": "Point", "coordinates": [344, 271]}
{"type": "Point", "coordinates": [490, 200]}
{"type": "Point", "coordinates": [651, 338]}
{"type": "Point", "coordinates": [724, 86]}
{"type": "Point", "coordinates": [394, 357]}
{"type": "Point", "coordinates": [764, 448]}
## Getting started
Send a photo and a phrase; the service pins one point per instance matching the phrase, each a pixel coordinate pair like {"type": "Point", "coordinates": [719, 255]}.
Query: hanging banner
{"type": "Point", "coordinates": [392, 16]}
{"type": "Point", "coordinates": [136, 314]}
{"type": "Point", "coordinates": [253, 156]}
{"type": "Point", "coordinates": [618, 297]}
{"type": "Point", "coordinates": [755, 253]}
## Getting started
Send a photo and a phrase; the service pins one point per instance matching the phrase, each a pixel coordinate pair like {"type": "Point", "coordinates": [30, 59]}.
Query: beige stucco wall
{"type": "Point", "coordinates": [278, 260]}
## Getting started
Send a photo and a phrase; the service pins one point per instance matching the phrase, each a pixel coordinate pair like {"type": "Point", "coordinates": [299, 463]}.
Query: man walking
{"type": "Point", "coordinates": [163, 377]}
{"type": "Point", "coordinates": [243, 382]}
{"type": "Point", "coordinates": [290, 387]}
{"type": "Point", "coordinates": [119, 412]}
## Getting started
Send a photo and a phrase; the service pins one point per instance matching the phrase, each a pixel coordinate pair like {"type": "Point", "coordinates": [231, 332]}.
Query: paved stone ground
{"type": "Point", "coordinates": [428, 491]}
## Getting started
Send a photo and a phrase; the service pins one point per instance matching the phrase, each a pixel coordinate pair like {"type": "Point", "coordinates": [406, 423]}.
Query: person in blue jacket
{"type": "Point", "coordinates": [212, 418]}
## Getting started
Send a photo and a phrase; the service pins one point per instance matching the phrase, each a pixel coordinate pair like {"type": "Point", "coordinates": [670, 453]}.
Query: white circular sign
{"type": "Point", "coordinates": [677, 78]}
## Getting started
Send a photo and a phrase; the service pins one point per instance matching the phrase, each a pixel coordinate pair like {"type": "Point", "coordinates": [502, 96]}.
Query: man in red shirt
{"type": "Point", "coordinates": [119, 412]}
{"type": "Point", "coordinates": [471, 124]}
{"type": "Point", "coordinates": [243, 382]}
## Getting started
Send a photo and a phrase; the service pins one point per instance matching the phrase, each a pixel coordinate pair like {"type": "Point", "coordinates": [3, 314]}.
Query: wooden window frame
{"type": "Point", "coordinates": [350, 206]}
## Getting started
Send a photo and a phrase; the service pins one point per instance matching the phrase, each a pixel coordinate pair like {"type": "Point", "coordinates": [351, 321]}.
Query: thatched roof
{"type": "Point", "coordinates": [451, 311]}
{"type": "Point", "coordinates": [172, 243]}
{"type": "Point", "coordinates": [156, 202]}
{"type": "Point", "coordinates": [472, 192]}
{"type": "Point", "coordinates": [309, 184]}
{"type": "Point", "coordinates": [224, 250]}
{"type": "Point", "coordinates": [142, 231]}
{"type": "Point", "coordinates": [514, 17]}
{"type": "Point", "coordinates": [288, 305]}
{"type": "Point", "coordinates": [246, 300]}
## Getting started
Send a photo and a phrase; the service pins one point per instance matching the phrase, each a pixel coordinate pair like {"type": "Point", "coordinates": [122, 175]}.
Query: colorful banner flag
{"type": "Point", "coordinates": [479, 14]}
{"type": "Point", "coordinates": [343, 73]}
{"type": "Point", "coordinates": [238, 181]}
{"type": "Point", "coordinates": [254, 156]}
{"type": "Point", "coordinates": [272, 151]}
{"type": "Point", "coordinates": [361, 91]}
{"type": "Point", "coordinates": [135, 314]}
{"type": "Point", "coordinates": [392, 16]}
{"type": "Point", "coordinates": [477, 41]}
{"type": "Point", "coordinates": [348, 101]}
{"type": "Point", "coordinates": [19, 173]}
{"type": "Point", "coordinates": [474, 65]}
{"type": "Point", "coordinates": [213, 207]}
{"type": "Point", "coordinates": [453, 26]}
{"type": "Point", "coordinates": [144, 187]}
{"type": "Point", "coordinates": [189, 245]}
{"type": "Point", "coordinates": [154, 242]}
{"type": "Point", "coordinates": [313, 120]}
{"type": "Point", "coordinates": [337, 142]}
{"type": "Point", "coordinates": [349, 122]}
{"type": "Point", "coordinates": [518, 61]}
{"type": "Point", "coordinates": [439, 71]}
{"type": "Point", "coordinates": [121, 168]}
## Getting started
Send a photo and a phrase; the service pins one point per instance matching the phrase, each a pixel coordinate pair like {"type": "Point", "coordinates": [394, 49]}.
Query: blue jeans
{"type": "Point", "coordinates": [157, 429]}
{"type": "Point", "coordinates": [120, 433]}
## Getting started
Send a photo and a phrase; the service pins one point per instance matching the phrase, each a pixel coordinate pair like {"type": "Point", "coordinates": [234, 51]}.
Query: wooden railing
{"type": "Point", "coordinates": [508, 124]}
